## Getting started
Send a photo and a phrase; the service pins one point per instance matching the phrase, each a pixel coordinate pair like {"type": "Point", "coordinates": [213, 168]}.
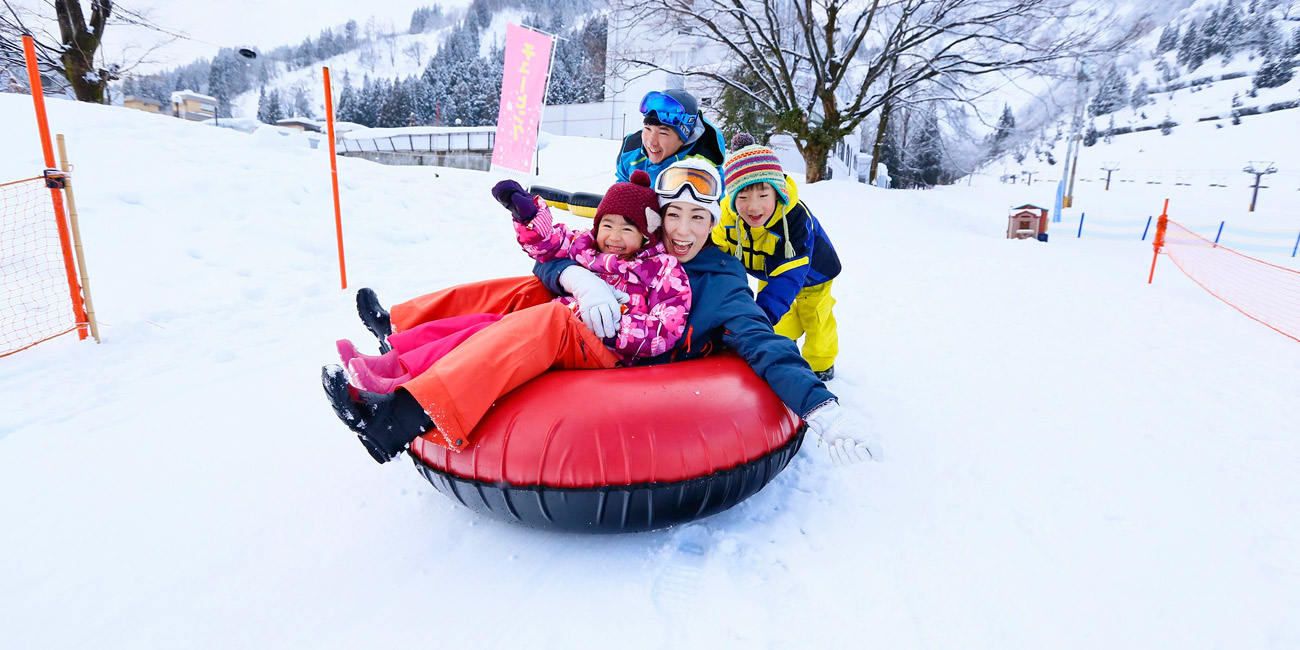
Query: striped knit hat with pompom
{"type": "Point", "coordinates": [751, 163]}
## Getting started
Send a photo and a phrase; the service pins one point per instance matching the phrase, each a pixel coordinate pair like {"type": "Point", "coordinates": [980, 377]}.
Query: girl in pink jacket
{"type": "Point", "coordinates": [622, 248]}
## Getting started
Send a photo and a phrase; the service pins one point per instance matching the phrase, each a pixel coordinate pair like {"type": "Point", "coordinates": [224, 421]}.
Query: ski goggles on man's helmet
{"type": "Point", "coordinates": [671, 182]}
{"type": "Point", "coordinates": [669, 111]}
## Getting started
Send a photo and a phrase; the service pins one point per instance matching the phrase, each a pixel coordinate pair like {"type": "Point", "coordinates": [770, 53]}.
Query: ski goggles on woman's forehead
{"type": "Point", "coordinates": [671, 182]}
{"type": "Point", "coordinates": [670, 111]}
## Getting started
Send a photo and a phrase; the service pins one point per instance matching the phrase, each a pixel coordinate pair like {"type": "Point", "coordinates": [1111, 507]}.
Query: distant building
{"type": "Point", "coordinates": [189, 105]}
{"type": "Point", "coordinates": [140, 103]}
{"type": "Point", "coordinates": [299, 124]}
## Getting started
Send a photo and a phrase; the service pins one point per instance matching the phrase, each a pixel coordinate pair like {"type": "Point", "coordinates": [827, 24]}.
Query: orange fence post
{"type": "Point", "coordinates": [47, 147]}
{"type": "Point", "coordinates": [334, 176]}
{"type": "Point", "coordinates": [1159, 241]}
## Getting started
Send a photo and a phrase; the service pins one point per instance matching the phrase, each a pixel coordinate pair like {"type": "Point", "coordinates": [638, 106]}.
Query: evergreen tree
{"type": "Point", "coordinates": [1273, 73]}
{"type": "Point", "coordinates": [1190, 47]}
{"type": "Point", "coordinates": [736, 112]}
{"type": "Point", "coordinates": [1210, 34]}
{"type": "Point", "coordinates": [1232, 29]}
{"type": "Point", "coordinates": [928, 151]}
{"type": "Point", "coordinates": [346, 105]}
{"type": "Point", "coordinates": [302, 102]}
{"type": "Point", "coordinates": [479, 13]}
{"type": "Point", "coordinates": [1090, 135]}
{"type": "Point", "coordinates": [1139, 97]}
{"type": "Point", "coordinates": [268, 107]}
{"type": "Point", "coordinates": [419, 18]}
{"type": "Point", "coordinates": [1294, 49]}
{"type": "Point", "coordinates": [350, 35]}
{"type": "Point", "coordinates": [1168, 39]}
{"type": "Point", "coordinates": [1005, 127]}
{"type": "Point", "coordinates": [1272, 41]}
{"type": "Point", "coordinates": [396, 107]}
{"type": "Point", "coordinates": [1112, 95]}
{"type": "Point", "coordinates": [225, 81]}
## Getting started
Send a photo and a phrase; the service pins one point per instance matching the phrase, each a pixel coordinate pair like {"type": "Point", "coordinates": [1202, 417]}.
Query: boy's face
{"type": "Point", "coordinates": [660, 142]}
{"type": "Point", "coordinates": [756, 203]}
{"type": "Point", "coordinates": [686, 229]}
{"type": "Point", "coordinates": [617, 235]}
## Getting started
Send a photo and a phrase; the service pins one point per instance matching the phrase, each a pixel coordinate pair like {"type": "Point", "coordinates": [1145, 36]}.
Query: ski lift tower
{"type": "Point", "coordinates": [1260, 170]}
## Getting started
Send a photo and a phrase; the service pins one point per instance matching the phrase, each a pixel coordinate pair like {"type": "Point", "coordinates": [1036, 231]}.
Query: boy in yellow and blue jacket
{"type": "Point", "coordinates": [781, 243]}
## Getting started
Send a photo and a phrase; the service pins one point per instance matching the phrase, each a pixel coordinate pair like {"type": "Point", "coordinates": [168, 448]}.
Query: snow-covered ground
{"type": "Point", "coordinates": [1074, 458]}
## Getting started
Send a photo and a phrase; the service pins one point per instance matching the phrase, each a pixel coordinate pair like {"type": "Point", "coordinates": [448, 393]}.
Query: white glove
{"type": "Point", "coordinates": [850, 438]}
{"type": "Point", "coordinates": [598, 303]}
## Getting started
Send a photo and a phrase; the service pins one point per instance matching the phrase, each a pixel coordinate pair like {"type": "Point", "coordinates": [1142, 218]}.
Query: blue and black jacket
{"type": "Point", "coordinates": [723, 313]}
{"type": "Point", "coordinates": [790, 252]}
{"type": "Point", "coordinates": [632, 156]}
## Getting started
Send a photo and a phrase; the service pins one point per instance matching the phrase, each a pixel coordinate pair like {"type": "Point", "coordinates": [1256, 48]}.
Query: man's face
{"type": "Point", "coordinates": [660, 142]}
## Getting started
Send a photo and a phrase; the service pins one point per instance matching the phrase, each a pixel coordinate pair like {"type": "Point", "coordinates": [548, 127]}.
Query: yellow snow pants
{"type": "Point", "coordinates": [810, 317]}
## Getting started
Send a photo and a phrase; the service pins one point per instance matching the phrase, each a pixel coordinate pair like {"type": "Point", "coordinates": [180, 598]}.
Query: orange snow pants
{"type": "Point", "coordinates": [536, 335]}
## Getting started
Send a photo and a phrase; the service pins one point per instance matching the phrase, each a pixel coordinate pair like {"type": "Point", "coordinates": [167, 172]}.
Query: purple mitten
{"type": "Point", "coordinates": [513, 197]}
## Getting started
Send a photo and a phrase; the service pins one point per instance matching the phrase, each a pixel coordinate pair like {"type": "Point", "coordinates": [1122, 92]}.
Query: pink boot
{"type": "Point", "coordinates": [363, 377]}
{"type": "Point", "coordinates": [385, 365]}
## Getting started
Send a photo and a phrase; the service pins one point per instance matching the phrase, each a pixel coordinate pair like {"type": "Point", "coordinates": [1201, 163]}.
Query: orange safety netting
{"type": "Point", "coordinates": [34, 302]}
{"type": "Point", "coordinates": [1265, 292]}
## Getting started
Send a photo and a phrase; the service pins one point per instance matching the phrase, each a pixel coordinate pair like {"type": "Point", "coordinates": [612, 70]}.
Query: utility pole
{"type": "Point", "coordinates": [1029, 177]}
{"type": "Point", "coordinates": [1072, 152]}
{"type": "Point", "coordinates": [1259, 169]}
{"type": "Point", "coordinates": [1109, 167]}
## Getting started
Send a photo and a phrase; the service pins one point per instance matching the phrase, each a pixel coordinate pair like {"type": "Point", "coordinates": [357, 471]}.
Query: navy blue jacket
{"type": "Point", "coordinates": [723, 312]}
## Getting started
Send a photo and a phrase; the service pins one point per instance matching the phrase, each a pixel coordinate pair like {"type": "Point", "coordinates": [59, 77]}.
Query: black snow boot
{"type": "Point", "coordinates": [384, 422]}
{"type": "Point", "coordinates": [827, 374]}
{"type": "Point", "coordinates": [374, 316]}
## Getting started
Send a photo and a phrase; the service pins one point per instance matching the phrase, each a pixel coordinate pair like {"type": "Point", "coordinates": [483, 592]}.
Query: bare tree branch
{"type": "Point", "coordinates": [824, 66]}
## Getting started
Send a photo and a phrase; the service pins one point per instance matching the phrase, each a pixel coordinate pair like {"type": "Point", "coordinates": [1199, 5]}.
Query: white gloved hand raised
{"type": "Point", "coordinates": [849, 436]}
{"type": "Point", "coordinates": [598, 303]}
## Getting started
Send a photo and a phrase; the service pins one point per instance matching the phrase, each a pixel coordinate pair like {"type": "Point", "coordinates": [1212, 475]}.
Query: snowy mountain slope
{"type": "Point", "coordinates": [393, 57]}
{"type": "Point", "coordinates": [1074, 459]}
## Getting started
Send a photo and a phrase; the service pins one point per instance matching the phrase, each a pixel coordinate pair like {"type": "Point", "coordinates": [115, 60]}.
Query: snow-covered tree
{"type": "Point", "coordinates": [72, 54]}
{"type": "Point", "coordinates": [1006, 126]}
{"type": "Point", "coordinates": [1168, 39]}
{"type": "Point", "coordinates": [1232, 28]}
{"type": "Point", "coordinates": [1090, 135]}
{"type": "Point", "coordinates": [269, 109]}
{"type": "Point", "coordinates": [1273, 73]}
{"type": "Point", "coordinates": [823, 67]}
{"type": "Point", "coordinates": [302, 102]}
{"type": "Point", "coordinates": [227, 78]}
{"type": "Point", "coordinates": [1112, 95]}
{"type": "Point", "coordinates": [1191, 51]}
{"type": "Point", "coordinates": [928, 151]}
{"type": "Point", "coordinates": [1272, 40]}
{"type": "Point", "coordinates": [1139, 97]}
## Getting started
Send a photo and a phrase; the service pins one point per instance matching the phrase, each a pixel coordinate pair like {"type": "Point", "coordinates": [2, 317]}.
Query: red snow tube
{"type": "Point", "coordinates": [621, 450]}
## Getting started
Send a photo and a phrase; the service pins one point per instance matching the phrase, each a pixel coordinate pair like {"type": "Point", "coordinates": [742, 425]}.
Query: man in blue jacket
{"type": "Point", "coordinates": [673, 129]}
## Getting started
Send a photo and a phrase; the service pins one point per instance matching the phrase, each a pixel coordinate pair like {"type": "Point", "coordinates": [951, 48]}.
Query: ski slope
{"type": "Point", "coordinates": [1073, 458]}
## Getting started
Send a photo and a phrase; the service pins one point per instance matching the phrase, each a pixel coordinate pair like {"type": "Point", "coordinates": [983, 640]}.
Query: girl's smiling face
{"type": "Point", "coordinates": [617, 235]}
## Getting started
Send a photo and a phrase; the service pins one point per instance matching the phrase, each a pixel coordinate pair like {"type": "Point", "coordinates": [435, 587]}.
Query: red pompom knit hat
{"type": "Point", "coordinates": [634, 201]}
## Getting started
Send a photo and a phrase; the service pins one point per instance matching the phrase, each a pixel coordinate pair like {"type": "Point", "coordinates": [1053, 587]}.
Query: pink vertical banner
{"type": "Point", "coordinates": [523, 91]}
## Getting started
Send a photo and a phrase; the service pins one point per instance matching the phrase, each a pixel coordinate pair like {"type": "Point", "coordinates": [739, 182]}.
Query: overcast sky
{"type": "Point", "coordinates": [232, 23]}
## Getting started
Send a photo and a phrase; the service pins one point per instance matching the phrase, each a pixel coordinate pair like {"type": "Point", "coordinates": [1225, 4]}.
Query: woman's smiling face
{"type": "Point", "coordinates": [686, 229]}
